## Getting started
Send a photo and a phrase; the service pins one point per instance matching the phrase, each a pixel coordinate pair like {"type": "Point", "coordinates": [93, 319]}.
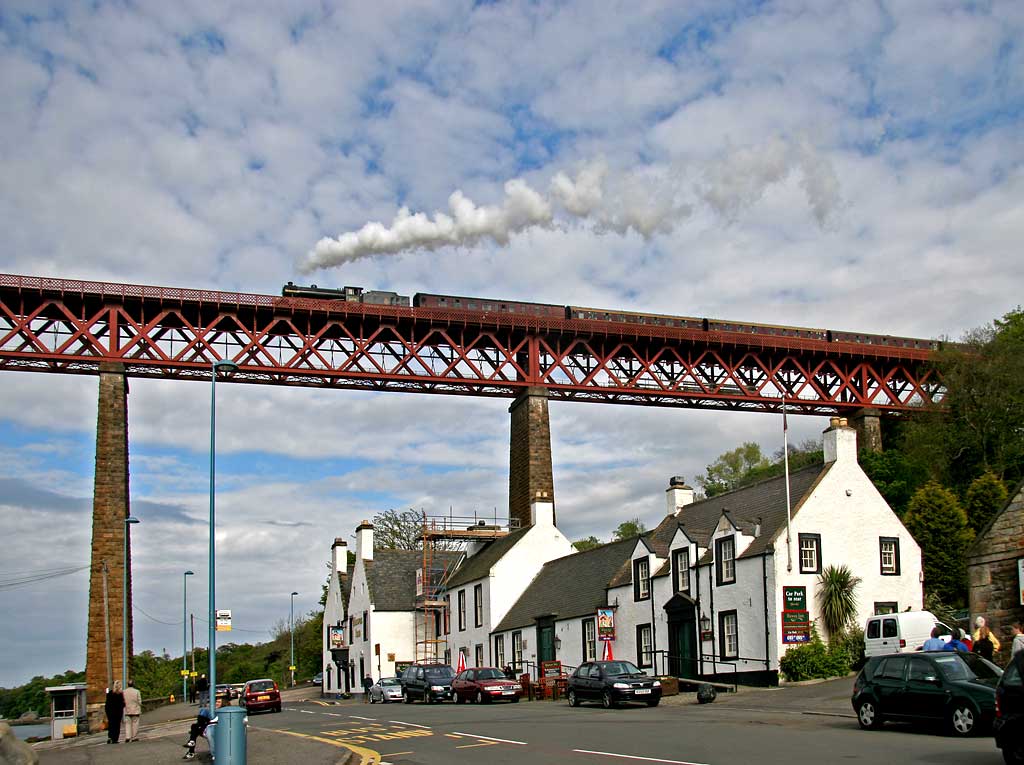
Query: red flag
{"type": "Point", "coordinates": [608, 651]}
{"type": "Point", "coordinates": [462, 662]}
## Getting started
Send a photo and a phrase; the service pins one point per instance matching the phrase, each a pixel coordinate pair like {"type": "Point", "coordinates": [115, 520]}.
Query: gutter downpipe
{"type": "Point", "coordinates": [767, 640]}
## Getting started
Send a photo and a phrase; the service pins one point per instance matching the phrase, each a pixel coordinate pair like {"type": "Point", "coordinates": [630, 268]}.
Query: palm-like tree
{"type": "Point", "coordinates": [837, 594]}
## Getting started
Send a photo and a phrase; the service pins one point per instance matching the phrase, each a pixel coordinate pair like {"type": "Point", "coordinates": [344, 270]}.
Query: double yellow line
{"type": "Point", "coordinates": [369, 757]}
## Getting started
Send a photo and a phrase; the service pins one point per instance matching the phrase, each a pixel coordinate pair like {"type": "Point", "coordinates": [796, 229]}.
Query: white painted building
{"type": "Point", "coordinates": [335, 630]}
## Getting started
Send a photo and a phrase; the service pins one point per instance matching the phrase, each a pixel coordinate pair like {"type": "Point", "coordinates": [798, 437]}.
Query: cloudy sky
{"type": "Point", "coordinates": [845, 165]}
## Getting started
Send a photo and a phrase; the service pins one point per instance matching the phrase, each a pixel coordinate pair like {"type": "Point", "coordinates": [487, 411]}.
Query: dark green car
{"type": "Point", "coordinates": [952, 687]}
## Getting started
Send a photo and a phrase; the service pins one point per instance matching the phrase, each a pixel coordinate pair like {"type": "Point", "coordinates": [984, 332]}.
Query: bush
{"type": "Point", "coordinates": [816, 660]}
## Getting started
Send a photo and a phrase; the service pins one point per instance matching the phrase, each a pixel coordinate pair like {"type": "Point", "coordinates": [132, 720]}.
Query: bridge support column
{"type": "Point", "coordinates": [868, 423]}
{"type": "Point", "coordinates": [529, 454]}
{"type": "Point", "coordinates": [110, 506]}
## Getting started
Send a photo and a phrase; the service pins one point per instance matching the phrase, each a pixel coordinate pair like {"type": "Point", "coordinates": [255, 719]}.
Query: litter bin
{"type": "Point", "coordinates": [229, 736]}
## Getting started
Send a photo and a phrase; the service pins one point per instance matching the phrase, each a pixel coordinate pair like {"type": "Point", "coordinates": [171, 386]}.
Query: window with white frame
{"type": "Point", "coordinates": [644, 646]}
{"type": "Point", "coordinates": [462, 610]}
{"type": "Point", "coordinates": [641, 579]}
{"type": "Point", "coordinates": [810, 553]}
{"type": "Point", "coordinates": [589, 640]}
{"type": "Point", "coordinates": [681, 569]}
{"type": "Point", "coordinates": [478, 606]}
{"type": "Point", "coordinates": [889, 554]}
{"type": "Point", "coordinates": [478, 652]}
{"type": "Point", "coordinates": [499, 651]}
{"type": "Point", "coordinates": [517, 650]}
{"type": "Point", "coordinates": [725, 560]}
{"type": "Point", "coordinates": [729, 637]}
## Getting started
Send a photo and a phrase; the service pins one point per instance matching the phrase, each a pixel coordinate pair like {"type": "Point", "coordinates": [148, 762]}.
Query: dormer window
{"type": "Point", "coordinates": [641, 579]}
{"type": "Point", "coordinates": [725, 561]}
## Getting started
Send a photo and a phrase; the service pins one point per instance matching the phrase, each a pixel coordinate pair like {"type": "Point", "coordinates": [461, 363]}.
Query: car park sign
{"type": "Point", "coordinates": [796, 621]}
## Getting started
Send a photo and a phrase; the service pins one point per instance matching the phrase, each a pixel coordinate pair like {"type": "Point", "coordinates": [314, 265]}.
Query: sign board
{"type": "Point", "coordinates": [292, 668]}
{"type": "Point", "coordinates": [223, 620]}
{"type": "Point", "coordinates": [401, 666]}
{"type": "Point", "coordinates": [551, 668]}
{"type": "Point", "coordinates": [391, 657]}
{"type": "Point", "coordinates": [184, 672]}
{"type": "Point", "coordinates": [419, 582]}
{"type": "Point", "coordinates": [336, 638]}
{"type": "Point", "coordinates": [794, 598]}
{"type": "Point", "coordinates": [605, 624]}
{"type": "Point", "coordinates": [1020, 579]}
{"type": "Point", "coordinates": [795, 618]}
{"type": "Point", "coordinates": [796, 634]}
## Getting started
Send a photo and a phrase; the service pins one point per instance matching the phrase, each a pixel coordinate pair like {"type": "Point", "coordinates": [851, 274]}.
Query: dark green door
{"type": "Point", "coordinates": [546, 643]}
{"type": "Point", "coordinates": [682, 637]}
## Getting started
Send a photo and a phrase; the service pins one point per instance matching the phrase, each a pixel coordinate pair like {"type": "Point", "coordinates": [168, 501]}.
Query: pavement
{"type": "Point", "coordinates": [163, 731]}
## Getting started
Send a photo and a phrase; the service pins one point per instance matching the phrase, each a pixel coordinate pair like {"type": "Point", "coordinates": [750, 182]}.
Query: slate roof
{"type": "Point", "coordinates": [391, 576]}
{"type": "Point", "coordinates": [479, 565]}
{"type": "Point", "coordinates": [570, 586]}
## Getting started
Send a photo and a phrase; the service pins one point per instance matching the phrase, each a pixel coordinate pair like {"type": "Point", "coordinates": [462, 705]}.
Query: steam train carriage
{"type": "Point", "coordinates": [548, 310]}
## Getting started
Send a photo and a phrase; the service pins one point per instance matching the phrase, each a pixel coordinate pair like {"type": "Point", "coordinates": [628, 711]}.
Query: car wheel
{"type": "Point", "coordinates": [429, 698]}
{"type": "Point", "coordinates": [406, 697]}
{"type": "Point", "coordinates": [372, 700]}
{"type": "Point", "coordinates": [962, 719]}
{"type": "Point", "coordinates": [607, 701]}
{"type": "Point", "coordinates": [574, 700]}
{"type": "Point", "coordinates": [459, 699]}
{"type": "Point", "coordinates": [653, 702]}
{"type": "Point", "coordinates": [277, 708]}
{"type": "Point", "coordinates": [515, 699]}
{"type": "Point", "coordinates": [867, 715]}
{"type": "Point", "coordinates": [479, 697]}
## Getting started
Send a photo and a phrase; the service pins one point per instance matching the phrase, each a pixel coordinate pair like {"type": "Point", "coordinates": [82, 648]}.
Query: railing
{"type": "Point", "coordinates": [663, 661]}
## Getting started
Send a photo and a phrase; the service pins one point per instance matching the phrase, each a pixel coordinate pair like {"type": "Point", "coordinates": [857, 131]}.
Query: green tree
{"type": "Point", "coordinates": [587, 543]}
{"type": "Point", "coordinates": [985, 497]}
{"type": "Point", "coordinates": [894, 475]}
{"type": "Point", "coordinates": [393, 530]}
{"type": "Point", "coordinates": [629, 529]}
{"type": "Point", "coordinates": [728, 471]}
{"type": "Point", "coordinates": [837, 594]}
{"type": "Point", "coordinates": [939, 524]}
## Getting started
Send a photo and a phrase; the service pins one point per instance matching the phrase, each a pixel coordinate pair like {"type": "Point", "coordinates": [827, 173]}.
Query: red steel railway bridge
{"type": "Point", "coordinates": [118, 331]}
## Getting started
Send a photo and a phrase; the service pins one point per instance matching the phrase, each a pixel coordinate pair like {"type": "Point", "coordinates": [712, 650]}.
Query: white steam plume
{"type": "Point", "coordinates": [650, 201]}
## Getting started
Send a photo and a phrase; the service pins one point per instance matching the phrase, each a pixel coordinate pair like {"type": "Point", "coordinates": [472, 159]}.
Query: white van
{"type": "Point", "coordinates": [898, 633]}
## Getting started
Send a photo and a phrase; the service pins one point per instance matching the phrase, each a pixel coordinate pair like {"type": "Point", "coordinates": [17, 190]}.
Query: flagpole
{"type": "Point", "coordinates": [785, 459]}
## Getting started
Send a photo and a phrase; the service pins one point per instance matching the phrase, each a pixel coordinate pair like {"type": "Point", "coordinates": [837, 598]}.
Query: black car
{"type": "Point", "coordinates": [427, 681]}
{"type": "Point", "coordinates": [1009, 723]}
{"type": "Point", "coordinates": [952, 687]}
{"type": "Point", "coordinates": [612, 682]}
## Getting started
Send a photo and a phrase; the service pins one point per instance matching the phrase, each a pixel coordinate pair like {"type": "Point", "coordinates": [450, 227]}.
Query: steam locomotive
{"type": "Point", "coordinates": [552, 311]}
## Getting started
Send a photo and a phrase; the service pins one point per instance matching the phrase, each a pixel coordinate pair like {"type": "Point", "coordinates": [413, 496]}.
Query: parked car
{"type": "Point", "coordinates": [260, 695]}
{"type": "Point", "coordinates": [485, 684]}
{"type": "Point", "coordinates": [318, 678]}
{"type": "Point", "coordinates": [899, 632]}
{"type": "Point", "coordinates": [955, 688]}
{"type": "Point", "coordinates": [386, 689]}
{"type": "Point", "coordinates": [612, 682]}
{"type": "Point", "coordinates": [224, 693]}
{"type": "Point", "coordinates": [427, 681]}
{"type": "Point", "coordinates": [1009, 723]}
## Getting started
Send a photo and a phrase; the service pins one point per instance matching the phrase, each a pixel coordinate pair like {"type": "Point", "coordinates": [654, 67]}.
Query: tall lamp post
{"type": "Point", "coordinates": [184, 635]}
{"type": "Point", "coordinates": [124, 606]}
{"type": "Point", "coordinates": [225, 366]}
{"type": "Point", "coordinates": [291, 629]}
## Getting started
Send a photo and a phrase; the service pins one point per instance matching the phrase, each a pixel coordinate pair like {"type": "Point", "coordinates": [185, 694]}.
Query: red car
{"type": "Point", "coordinates": [485, 684]}
{"type": "Point", "coordinates": [259, 695]}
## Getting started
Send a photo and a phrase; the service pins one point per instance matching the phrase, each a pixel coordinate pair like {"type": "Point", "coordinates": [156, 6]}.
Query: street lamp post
{"type": "Point", "coordinates": [184, 635]}
{"type": "Point", "coordinates": [226, 366]}
{"type": "Point", "coordinates": [124, 606]}
{"type": "Point", "coordinates": [291, 629]}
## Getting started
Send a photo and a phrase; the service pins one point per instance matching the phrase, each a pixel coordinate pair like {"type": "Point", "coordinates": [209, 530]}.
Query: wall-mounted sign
{"type": "Point", "coordinates": [223, 620]}
{"type": "Point", "coordinates": [795, 618]}
{"type": "Point", "coordinates": [391, 657]}
{"type": "Point", "coordinates": [794, 598]}
{"type": "Point", "coordinates": [401, 666]}
{"type": "Point", "coordinates": [796, 633]}
{"type": "Point", "coordinates": [606, 624]}
{"type": "Point", "coordinates": [336, 638]}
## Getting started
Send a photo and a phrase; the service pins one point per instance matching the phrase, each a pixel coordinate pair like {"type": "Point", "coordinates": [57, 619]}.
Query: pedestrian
{"type": "Point", "coordinates": [203, 687]}
{"type": "Point", "coordinates": [981, 624]}
{"type": "Point", "coordinates": [113, 706]}
{"type": "Point", "coordinates": [367, 685]}
{"type": "Point", "coordinates": [935, 642]}
{"type": "Point", "coordinates": [984, 643]}
{"type": "Point", "coordinates": [191, 690]}
{"type": "Point", "coordinates": [132, 711]}
{"type": "Point", "coordinates": [956, 643]}
{"type": "Point", "coordinates": [197, 729]}
{"type": "Point", "coordinates": [1018, 639]}
{"type": "Point", "coordinates": [509, 672]}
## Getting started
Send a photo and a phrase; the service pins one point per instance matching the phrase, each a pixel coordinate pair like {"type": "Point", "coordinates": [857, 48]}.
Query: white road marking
{"type": "Point", "coordinates": [332, 714]}
{"type": "Point", "coordinates": [402, 722]}
{"type": "Point", "coordinates": [306, 712]}
{"type": "Point", "coordinates": [634, 757]}
{"type": "Point", "coordinates": [357, 717]}
{"type": "Point", "coordinates": [490, 738]}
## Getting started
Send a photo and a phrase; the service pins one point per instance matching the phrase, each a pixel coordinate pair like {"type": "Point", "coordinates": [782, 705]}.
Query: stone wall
{"type": "Point", "coordinates": [529, 454]}
{"type": "Point", "coordinates": [992, 572]}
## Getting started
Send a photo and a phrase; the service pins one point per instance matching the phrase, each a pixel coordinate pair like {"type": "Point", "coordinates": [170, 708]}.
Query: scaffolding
{"type": "Point", "coordinates": [445, 539]}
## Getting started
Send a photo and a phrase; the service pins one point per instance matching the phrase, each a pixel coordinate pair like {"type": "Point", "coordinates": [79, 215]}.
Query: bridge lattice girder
{"type": "Point", "coordinates": [63, 326]}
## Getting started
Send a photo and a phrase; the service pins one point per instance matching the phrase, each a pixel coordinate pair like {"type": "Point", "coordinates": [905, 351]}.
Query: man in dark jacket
{"type": "Point", "coordinates": [367, 685]}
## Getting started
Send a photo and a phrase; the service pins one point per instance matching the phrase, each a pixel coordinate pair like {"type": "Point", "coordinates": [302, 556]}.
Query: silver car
{"type": "Point", "coordinates": [386, 689]}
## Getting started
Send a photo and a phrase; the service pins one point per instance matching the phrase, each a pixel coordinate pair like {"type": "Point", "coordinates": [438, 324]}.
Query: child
{"type": "Point", "coordinates": [198, 729]}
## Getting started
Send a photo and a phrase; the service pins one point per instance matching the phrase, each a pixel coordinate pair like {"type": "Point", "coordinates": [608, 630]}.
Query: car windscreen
{"type": "Point", "coordinates": [390, 681]}
{"type": "Point", "coordinates": [490, 674]}
{"type": "Point", "coordinates": [616, 668]}
{"type": "Point", "coordinates": [966, 666]}
{"type": "Point", "coordinates": [439, 673]}
{"type": "Point", "coordinates": [261, 685]}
